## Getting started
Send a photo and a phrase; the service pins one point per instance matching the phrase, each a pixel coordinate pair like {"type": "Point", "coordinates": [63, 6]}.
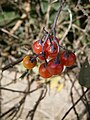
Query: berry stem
{"type": "Point", "coordinates": [57, 15]}
{"type": "Point", "coordinates": [47, 36]}
{"type": "Point", "coordinates": [45, 32]}
{"type": "Point", "coordinates": [55, 21]}
{"type": "Point", "coordinates": [34, 58]}
{"type": "Point", "coordinates": [57, 60]}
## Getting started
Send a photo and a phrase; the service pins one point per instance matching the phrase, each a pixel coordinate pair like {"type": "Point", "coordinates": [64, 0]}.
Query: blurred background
{"type": "Point", "coordinates": [21, 23]}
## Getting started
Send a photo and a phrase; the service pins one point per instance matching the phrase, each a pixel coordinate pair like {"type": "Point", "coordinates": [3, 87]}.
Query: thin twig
{"type": "Point", "coordinates": [72, 99]}
{"type": "Point", "coordinates": [68, 29]}
{"type": "Point", "coordinates": [10, 34]}
{"type": "Point", "coordinates": [87, 103]}
{"type": "Point", "coordinates": [31, 113]}
{"type": "Point", "coordinates": [74, 104]}
{"type": "Point", "coordinates": [10, 65]}
{"type": "Point", "coordinates": [17, 106]}
{"type": "Point", "coordinates": [23, 17]}
{"type": "Point", "coordinates": [25, 92]}
{"type": "Point", "coordinates": [57, 15]}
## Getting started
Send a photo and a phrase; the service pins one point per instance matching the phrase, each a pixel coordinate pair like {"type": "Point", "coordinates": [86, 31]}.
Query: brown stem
{"type": "Point", "coordinates": [57, 15]}
{"type": "Point", "coordinates": [75, 104]}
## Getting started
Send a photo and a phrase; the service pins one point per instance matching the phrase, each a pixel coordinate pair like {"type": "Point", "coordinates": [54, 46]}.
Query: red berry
{"type": "Point", "coordinates": [43, 56]}
{"type": "Point", "coordinates": [28, 63]}
{"type": "Point", "coordinates": [52, 41]}
{"type": "Point", "coordinates": [55, 67]}
{"type": "Point", "coordinates": [52, 50]}
{"type": "Point", "coordinates": [43, 71]}
{"type": "Point", "coordinates": [67, 58]}
{"type": "Point", "coordinates": [37, 46]}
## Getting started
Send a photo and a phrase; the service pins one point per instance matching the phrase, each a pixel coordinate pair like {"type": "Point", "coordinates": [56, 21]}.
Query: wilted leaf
{"type": "Point", "coordinates": [59, 88]}
{"type": "Point", "coordinates": [44, 6]}
{"type": "Point", "coordinates": [8, 16]}
{"type": "Point", "coordinates": [55, 6]}
{"type": "Point", "coordinates": [84, 75]}
{"type": "Point", "coordinates": [54, 81]}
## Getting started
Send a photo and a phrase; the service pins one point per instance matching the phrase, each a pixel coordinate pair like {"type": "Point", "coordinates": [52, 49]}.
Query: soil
{"type": "Point", "coordinates": [52, 107]}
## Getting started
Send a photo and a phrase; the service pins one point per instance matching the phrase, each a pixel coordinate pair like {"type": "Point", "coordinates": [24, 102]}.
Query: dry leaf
{"type": "Point", "coordinates": [59, 88]}
{"type": "Point", "coordinates": [54, 81]}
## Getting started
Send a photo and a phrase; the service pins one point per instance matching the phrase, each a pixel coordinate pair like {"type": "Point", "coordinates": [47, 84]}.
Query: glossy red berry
{"type": "Point", "coordinates": [55, 67]}
{"type": "Point", "coordinates": [37, 46]}
{"type": "Point", "coordinates": [50, 40]}
{"type": "Point", "coordinates": [67, 58]}
{"type": "Point", "coordinates": [43, 71]}
{"type": "Point", "coordinates": [52, 50]}
{"type": "Point", "coordinates": [28, 62]}
{"type": "Point", "coordinates": [43, 56]}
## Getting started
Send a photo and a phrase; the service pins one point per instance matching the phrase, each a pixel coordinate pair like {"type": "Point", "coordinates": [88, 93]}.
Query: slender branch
{"type": "Point", "coordinates": [25, 92]}
{"type": "Point", "coordinates": [68, 29]}
{"type": "Point", "coordinates": [17, 106]}
{"type": "Point", "coordinates": [75, 104]}
{"type": "Point", "coordinates": [37, 103]}
{"type": "Point", "coordinates": [10, 65]}
{"type": "Point", "coordinates": [31, 113]}
{"type": "Point", "coordinates": [87, 103]}
{"type": "Point", "coordinates": [72, 100]}
{"type": "Point", "coordinates": [57, 15]}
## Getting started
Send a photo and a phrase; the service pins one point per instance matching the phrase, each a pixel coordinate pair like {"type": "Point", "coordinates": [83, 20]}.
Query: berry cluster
{"type": "Point", "coordinates": [49, 51]}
